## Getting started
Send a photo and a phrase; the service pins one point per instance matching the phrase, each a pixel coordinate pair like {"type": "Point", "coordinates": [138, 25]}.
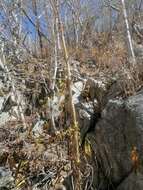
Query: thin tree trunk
{"type": "Point", "coordinates": [57, 48]}
{"type": "Point", "coordinates": [74, 125]}
{"type": "Point", "coordinates": [130, 44]}
{"type": "Point", "coordinates": [34, 4]}
{"type": "Point", "coordinates": [74, 141]}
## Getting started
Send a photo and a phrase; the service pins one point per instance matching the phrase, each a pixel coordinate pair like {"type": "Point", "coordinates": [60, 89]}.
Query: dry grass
{"type": "Point", "coordinates": [109, 58]}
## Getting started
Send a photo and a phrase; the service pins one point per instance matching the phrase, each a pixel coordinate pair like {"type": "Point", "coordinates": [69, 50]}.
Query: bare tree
{"type": "Point", "coordinates": [74, 125]}
{"type": "Point", "coordinates": [74, 145]}
{"type": "Point", "coordinates": [130, 44]}
{"type": "Point", "coordinates": [35, 10]}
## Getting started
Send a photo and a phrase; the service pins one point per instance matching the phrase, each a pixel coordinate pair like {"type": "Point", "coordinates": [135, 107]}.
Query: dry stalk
{"type": "Point", "coordinates": [75, 137]}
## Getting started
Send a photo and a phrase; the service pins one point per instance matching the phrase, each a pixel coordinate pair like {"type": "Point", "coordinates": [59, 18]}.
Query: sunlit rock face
{"type": "Point", "coordinates": [6, 179]}
{"type": "Point", "coordinates": [9, 96]}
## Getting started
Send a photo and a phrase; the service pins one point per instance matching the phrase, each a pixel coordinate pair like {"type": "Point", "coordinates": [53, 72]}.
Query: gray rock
{"type": "Point", "coordinates": [138, 48]}
{"type": "Point", "coordinates": [77, 89]}
{"type": "Point", "coordinates": [85, 113]}
{"type": "Point", "coordinates": [8, 104]}
{"type": "Point", "coordinates": [133, 182]}
{"type": "Point", "coordinates": [118, 131]}
{"type": "Point", "coordinates": [38, 128]}
{"type": "Point", "coordinates": [97, 88]}
{"type": "Point", "coordinates": [6, 179]}
{"type": "Point", "coordinates": [4, 118]}
{"type": "Point", "coordinates": [54, 106]}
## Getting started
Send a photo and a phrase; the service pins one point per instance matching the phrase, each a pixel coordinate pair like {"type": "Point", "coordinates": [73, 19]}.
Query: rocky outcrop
{"type": "Point", "coordinates": [133, 182]}
{"type": "Point", "coordinates": [90, 97]}
{"type": "Point", "coordinates": [118, 131]}
{"type": "Point", "coordinates": [12, 101]}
